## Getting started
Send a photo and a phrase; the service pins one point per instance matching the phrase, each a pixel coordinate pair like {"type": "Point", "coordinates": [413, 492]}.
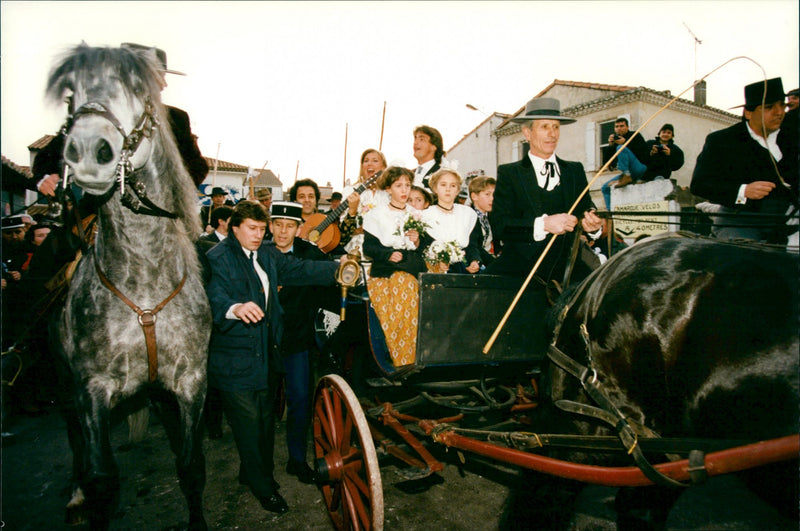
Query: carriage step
{"type": "Point", "coordinates": [382, 382]}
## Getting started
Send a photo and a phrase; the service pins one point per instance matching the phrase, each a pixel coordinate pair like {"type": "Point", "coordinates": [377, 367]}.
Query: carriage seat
{"type": "Point", "coordinates": [457, 316]}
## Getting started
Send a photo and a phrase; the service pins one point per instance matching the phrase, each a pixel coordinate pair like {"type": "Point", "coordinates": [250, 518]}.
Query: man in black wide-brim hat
{"type": "Point", "coordinates": [735, 170]}
{"type": "Point", "coordinates": [533, 196]}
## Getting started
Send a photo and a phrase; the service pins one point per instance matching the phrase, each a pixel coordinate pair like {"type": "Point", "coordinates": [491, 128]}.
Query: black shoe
{"type": "Point", "coordinates": [302, 471]}
{"type": "Point", "coordinates": [274, 503]}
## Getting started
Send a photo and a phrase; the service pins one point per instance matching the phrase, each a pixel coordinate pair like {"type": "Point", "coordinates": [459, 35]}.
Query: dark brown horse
{"type": "Point", "coordinates": [690, 337]}
{"type": "Point", "coordinates": [136, 317]}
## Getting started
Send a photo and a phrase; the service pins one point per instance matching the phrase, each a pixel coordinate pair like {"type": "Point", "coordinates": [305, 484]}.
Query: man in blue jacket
{"type": "Point", "coordinates": [244, 356]}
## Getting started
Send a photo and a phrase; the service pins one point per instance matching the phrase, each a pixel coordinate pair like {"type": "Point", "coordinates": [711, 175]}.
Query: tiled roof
{"type": "Point", "coordinates": [42, 142]}
{"type": "Point", "coordinates": [25, 171]}
{"type": "Point", "coordinates": [267, 178]}
{"type": "Point", "coordinates": [223, 165]}
{"type": "Point", "coordinates": [583, 84]}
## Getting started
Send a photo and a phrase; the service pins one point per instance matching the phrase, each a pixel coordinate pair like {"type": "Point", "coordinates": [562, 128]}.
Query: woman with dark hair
{"type": "Point", "coordinates": [372, 163]}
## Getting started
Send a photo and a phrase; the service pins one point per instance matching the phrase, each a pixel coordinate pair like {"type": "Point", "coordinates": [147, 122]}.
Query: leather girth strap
{"type": "Point", "coordinates": [147, 318]}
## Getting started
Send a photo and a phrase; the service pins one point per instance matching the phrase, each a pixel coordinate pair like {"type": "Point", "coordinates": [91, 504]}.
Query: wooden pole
{"type": "Point", "coordinates": [252, 195]}
{"type": "Point", "coordinates": [296, 169]}
{"type": "Point", "coordinates": [383, 122]}
{"type": "Point", "coordinates": [213, 183]}
{"type": "Point", "coordinates": [344, 170]}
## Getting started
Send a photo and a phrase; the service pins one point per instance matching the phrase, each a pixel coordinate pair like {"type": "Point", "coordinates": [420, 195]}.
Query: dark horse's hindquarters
{"type": "Point", "coordinates": [693, 338]}
{"type": "Point", "coordinates": [146, 257]}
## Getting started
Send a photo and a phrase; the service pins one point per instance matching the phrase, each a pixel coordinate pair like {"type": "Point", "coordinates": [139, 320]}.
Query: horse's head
{"type": "Point", "coordinates": [114, 94]}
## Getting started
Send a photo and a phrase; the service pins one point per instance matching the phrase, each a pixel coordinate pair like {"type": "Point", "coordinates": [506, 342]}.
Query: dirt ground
{"type": "Point", "coordinates": [477, 496]}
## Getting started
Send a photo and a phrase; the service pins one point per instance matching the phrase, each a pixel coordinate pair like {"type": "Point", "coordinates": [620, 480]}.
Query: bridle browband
{"type": "Point", "coordinates": [136, 200]}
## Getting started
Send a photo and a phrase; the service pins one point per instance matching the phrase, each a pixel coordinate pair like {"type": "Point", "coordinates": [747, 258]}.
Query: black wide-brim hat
{"type": "Point", "coordinates": [161, 55]}
{"type": "Point", "coordinates": [754, 93]}
{"type": "Point", "coordinates": [286, 210]}
{"type": "Point", "coordinates": [217, 191]}
{"type": "Point", "coordinates": [543, 109]}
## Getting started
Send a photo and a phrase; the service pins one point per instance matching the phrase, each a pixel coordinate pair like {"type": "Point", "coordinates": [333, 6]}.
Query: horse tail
{"type": "Point", "coordinates": [137, 424]}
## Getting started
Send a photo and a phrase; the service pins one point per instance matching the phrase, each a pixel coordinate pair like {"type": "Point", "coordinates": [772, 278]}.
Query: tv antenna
{"type": "Point", "coordinates": [696, 43]}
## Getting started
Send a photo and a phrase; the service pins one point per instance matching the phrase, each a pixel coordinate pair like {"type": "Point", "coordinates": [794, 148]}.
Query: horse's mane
{"type": "Point", "coordinates": [141, 77]}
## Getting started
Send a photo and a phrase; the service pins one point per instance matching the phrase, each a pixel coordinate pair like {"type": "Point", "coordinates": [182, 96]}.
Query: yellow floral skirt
{"type": "Point", "coordinates": [396, 303]}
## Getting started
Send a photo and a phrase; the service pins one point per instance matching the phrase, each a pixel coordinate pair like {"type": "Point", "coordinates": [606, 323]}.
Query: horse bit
{"type": "Point", "coordinates": [147, 123]}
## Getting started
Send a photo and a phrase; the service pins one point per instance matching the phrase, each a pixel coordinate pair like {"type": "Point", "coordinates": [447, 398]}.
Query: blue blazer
{"type": "Point", "coordinates": [242, 357]}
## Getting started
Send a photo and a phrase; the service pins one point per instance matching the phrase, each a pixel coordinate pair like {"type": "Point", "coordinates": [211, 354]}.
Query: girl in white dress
{"type": "Point", "coordinates": [451, 222]}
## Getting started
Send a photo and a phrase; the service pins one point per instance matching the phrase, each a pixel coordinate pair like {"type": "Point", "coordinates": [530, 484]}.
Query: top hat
{"type": "Point", "coordinates": [754, 93]}
{"type": "Point", "coordinates": [12, 222]}
{"type": "Point", "coordinates": [287, 210]}
{"type": "Point", "coordinates": [263, 194]}
{"type": "Point", "coordinates": [161, 55]}
{"type": "Point", "coordinates": [218, 190]}
{"type": "Point", "coordinates": [543, 109]}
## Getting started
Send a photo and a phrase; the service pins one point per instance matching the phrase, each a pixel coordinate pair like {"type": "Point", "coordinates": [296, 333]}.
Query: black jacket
{"type": "Point", "coordinates": [661, 164]}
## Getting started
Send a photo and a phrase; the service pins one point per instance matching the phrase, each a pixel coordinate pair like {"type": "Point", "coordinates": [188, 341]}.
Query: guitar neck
{"type": "Point", "coordinates": [334, 214]}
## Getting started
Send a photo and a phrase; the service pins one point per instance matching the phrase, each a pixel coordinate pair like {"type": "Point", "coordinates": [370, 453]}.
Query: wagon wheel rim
{"type": "Point", "coordinates": [346, 459]}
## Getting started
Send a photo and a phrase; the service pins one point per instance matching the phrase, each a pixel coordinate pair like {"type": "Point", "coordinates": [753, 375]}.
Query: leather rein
{"type": "Point", "coordinates": [138, 202]}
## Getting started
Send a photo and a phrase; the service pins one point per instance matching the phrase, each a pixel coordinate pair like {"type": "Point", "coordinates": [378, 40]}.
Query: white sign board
{"type": "Point", "coordinates": [635, 226]}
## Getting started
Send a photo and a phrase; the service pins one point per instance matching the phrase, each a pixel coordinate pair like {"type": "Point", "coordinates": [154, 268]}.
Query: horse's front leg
{"type": "Point", "coordinates": [101, 475]}
{"type": "Point", "coordinates": [181, 418]}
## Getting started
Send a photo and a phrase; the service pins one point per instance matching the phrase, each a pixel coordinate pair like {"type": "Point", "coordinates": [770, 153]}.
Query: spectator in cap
{"type": "Point", "coordinates": [218, 198]}
{"type": "Point", "coordinates": [664, 156]}
{"type": "Point", "coordinates": [300, 304]}
{"type": "Point", "coordinates": [750, 166]}
{"type": "Point", "coordinates": [264, 196]}
{"type": "Point", "coordinates": [335, 200]}
{"type": "Point", "coordinates": [533, 196]}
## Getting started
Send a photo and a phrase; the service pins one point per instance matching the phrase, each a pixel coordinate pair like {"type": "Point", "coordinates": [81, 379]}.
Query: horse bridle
{"type": "Point", "coordinates": [137, 201]}
{"type": "Point", "coordinates": [140, 204]}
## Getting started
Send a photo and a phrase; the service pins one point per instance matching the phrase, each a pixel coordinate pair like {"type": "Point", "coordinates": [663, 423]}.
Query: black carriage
{"type": "Point", "coordinates": [484, 403]}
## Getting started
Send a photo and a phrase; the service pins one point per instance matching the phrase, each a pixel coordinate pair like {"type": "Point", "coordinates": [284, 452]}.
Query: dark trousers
{"type": "Point", "coordinates": [298, 404]}
{"type": "Point", "coordinates": [251, 416]}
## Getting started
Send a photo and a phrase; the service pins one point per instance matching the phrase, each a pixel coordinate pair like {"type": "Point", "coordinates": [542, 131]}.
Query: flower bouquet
{"type": "Point", "coordinates": [410, 221]}
{"type": "Point", "coordinates": [439, 255]}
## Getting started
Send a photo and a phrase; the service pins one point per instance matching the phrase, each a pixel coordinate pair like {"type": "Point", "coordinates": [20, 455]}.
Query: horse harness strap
{"type": "Point", "coordinates": [609, 412]}
{"type": "Point", "coordinates": [147, 318]}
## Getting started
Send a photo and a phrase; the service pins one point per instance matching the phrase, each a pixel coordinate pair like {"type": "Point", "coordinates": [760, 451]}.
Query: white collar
{"type": "Point", "coordinates": [220, 235]}
{"type": "Point", "coordinates": [770, 143]}
{"type": "Point", "coordinates": [538, 167]}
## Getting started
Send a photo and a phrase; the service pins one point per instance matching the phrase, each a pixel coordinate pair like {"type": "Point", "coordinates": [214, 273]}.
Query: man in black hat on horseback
{"type": "Point", "coordinates": [751, 167]}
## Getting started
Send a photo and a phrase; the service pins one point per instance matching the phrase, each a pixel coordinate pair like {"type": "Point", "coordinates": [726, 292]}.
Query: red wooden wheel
{"type": "Point", "coordinates": [346, 464]}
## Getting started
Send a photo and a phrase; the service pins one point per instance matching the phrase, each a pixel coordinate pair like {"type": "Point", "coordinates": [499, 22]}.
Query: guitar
{"type": "Point", "coordinates": [322, 229]}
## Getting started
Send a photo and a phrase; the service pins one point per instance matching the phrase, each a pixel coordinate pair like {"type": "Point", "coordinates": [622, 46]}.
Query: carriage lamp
{"type": "Point", "coordinates": [347, 276]}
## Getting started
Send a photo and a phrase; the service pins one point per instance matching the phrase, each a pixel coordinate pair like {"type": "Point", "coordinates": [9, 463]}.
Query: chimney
{"type": "Point", "coordinates": [700, 93]}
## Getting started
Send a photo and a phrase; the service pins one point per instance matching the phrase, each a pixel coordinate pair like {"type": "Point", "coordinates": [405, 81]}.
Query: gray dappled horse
{"type": "Point", "coordinates": [691, 337]}
{"type": "Point", "coordinates": [120, 148]}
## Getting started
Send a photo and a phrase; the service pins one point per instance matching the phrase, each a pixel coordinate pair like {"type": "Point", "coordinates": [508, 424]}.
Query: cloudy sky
{"type": "Point", "coordinates": [279, 82]}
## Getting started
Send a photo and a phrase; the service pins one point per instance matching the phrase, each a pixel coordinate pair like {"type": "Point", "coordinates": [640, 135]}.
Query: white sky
{"type": "Point", "coordinates": [277, 82]}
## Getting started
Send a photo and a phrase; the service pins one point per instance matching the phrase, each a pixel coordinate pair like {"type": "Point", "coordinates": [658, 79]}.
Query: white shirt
{"type": "Point", "coordinates": [220, 235]}
{"type": "Point", "coordinates": [262, 276]}
{"type": "Point", "coordinates": [770, 143]}
{"type": "Point", "coordinates": [421, 171]}
{"type": "Point", "coordinates": [539, 164]}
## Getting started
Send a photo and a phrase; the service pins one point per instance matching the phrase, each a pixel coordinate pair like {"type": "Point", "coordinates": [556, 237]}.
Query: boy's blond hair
{"type": "Point", "coordinates": [481, 183]}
